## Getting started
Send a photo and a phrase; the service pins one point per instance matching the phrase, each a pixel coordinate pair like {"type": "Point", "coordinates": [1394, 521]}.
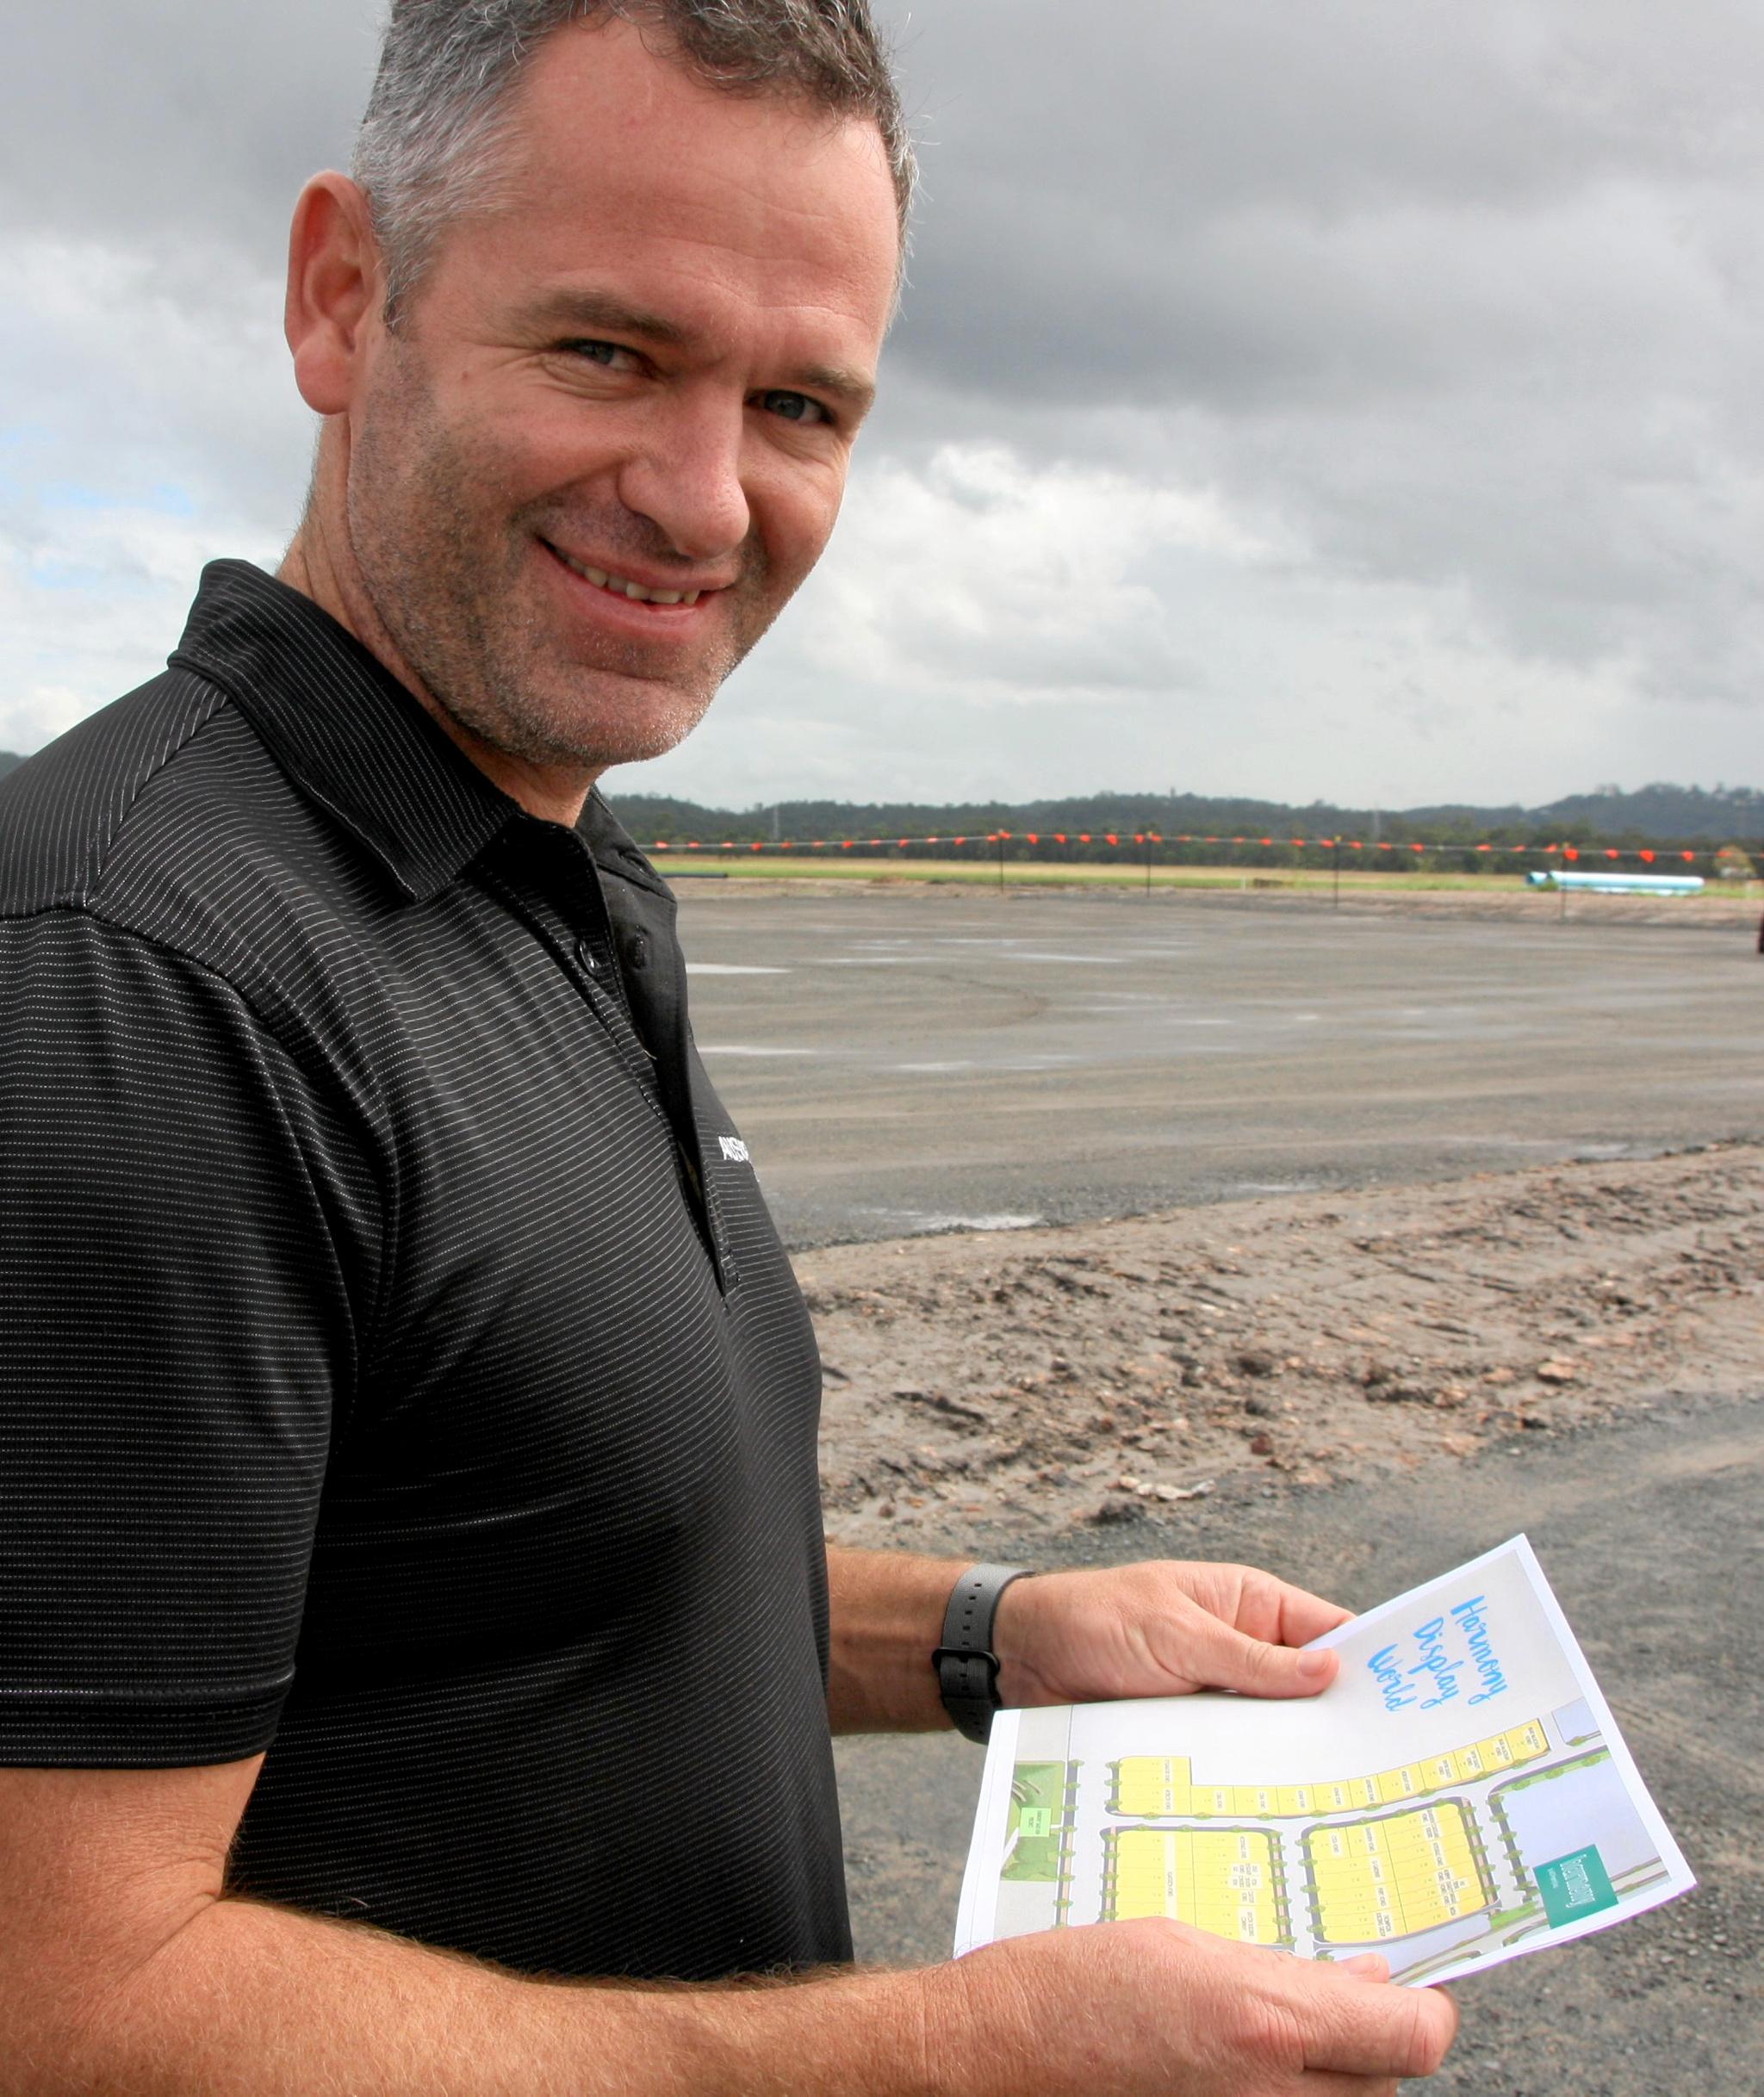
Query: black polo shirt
{"type": "Point", "coordinates": [399, 1370]}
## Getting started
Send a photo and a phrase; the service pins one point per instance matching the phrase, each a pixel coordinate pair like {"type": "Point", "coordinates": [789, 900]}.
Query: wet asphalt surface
{"type": "Point", "coordinates": [1650, 1534]}
{"type": "Point", "coordinates": [906, 1060]}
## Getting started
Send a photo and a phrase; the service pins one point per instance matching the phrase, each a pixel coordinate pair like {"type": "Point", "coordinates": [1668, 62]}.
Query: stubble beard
{"type": "Point", "coordinates": [456, 602]}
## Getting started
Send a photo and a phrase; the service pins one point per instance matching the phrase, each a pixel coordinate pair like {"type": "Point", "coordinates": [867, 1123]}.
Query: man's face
{"type": "Point", "coordinates": [646, 373]}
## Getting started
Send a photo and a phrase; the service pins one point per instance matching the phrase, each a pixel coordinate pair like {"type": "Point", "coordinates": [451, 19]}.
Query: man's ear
{"type": "Point", "coordinates": [336, 289]}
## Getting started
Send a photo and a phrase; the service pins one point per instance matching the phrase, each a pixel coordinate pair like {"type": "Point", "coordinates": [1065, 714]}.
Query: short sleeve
{"type": "Point", "coordinates": [186, 1225]}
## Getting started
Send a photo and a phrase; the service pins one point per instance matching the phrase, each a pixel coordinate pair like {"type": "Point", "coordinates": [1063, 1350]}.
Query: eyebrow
{"type": "Point", "coordinates": [585, 308]}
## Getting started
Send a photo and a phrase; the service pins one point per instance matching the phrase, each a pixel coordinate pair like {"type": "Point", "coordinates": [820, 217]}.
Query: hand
{"type": "Point", "coordinates": [1160, 1629]}
{"type": "Point", "coordinates": [1119, 2009]}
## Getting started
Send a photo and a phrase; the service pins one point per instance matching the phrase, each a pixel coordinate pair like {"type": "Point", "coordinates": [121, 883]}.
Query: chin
{"type": "Point", "coordinates": [567, 739]}
{"type": "Point", "coordinates": [620, 744]}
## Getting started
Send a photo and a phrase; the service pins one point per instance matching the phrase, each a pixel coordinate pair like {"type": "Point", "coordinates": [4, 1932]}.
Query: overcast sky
{"type": "Point", "coordinates": [1360, 399]}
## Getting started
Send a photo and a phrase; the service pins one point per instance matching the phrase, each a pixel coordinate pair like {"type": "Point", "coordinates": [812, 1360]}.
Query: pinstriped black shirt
{"type": "Point", "coordinates": [399, 1370]}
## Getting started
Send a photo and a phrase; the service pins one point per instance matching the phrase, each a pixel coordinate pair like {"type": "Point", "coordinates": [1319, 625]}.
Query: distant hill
{"type": "Point", "coordinates": [1689, 812]}
{"type": "Point", "coordinates": [1660, 813]}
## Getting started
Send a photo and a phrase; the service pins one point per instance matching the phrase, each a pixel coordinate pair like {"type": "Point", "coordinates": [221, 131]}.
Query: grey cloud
{"type": "Point", "coordinates": [1175, 193]}
{"type": "Point", "coordinates": [1460, 305]}
{"type": "Point", "coordinates": [174, 121]}
{"type": "Point", "coordinates": [1469, 297]}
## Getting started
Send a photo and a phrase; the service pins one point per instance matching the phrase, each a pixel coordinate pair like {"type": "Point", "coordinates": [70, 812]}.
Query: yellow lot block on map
{"type": "Point", "coordinates": [1394, 1877]}
{"type": "Point", "coordinates": [1151, 1787]}
{"type": "Point", "coordinates": [1221, 1879]}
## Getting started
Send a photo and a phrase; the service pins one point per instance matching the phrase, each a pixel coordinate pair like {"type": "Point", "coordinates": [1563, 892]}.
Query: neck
{"type": "Point", "coordinates": [318, 565]}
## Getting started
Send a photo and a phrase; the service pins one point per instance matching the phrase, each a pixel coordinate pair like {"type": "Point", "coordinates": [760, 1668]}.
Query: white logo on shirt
{"type": "Point", "coordinates": [734, 1150]}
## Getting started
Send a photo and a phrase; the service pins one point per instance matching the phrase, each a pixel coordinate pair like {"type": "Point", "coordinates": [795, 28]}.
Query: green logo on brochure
{"type": "Point", "coordinates": [1575, 1885]}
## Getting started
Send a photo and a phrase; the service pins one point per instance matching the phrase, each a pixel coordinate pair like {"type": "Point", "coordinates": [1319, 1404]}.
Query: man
{"type": "Point", "coordinates": [417, 1646]}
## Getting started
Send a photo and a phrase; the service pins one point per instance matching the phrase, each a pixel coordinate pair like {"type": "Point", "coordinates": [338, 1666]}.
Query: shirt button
{"type": "Point", "coordinates": [586, 958]}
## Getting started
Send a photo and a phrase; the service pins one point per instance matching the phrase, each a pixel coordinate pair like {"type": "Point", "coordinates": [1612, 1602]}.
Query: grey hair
{"type": "Point", "coordinates": [431, 146]}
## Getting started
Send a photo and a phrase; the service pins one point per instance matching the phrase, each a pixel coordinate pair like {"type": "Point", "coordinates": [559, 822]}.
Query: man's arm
{"type": "Point", "coordinates": [1158, 1630]}
{"type": "Point", "coordinates": [125, 1972]}
{"type": "Point", "coordinates": [887, 1617]}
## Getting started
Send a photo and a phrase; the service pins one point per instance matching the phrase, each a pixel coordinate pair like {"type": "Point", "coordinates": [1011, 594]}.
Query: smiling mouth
{"type": "Point", "coordinates": [617, 585]}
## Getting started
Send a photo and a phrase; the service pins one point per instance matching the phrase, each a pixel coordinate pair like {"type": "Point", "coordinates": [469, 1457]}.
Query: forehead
{"type": "Point", "coordinates": [623, 164]}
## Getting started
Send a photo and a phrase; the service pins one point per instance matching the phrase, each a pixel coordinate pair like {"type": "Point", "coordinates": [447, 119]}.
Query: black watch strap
{"type": "Point", "coordinates": [967, 1667]}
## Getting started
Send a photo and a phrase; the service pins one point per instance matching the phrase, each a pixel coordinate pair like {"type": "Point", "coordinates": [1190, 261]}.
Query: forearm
{"type": "Point", "coordinates": [887, 1621]}
{"type": "Point", "coordinates": [254, 2001]}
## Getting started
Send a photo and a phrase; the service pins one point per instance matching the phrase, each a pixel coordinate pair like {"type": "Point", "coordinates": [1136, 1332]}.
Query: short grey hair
{"type": "Point", "coordinates": [430, 145]}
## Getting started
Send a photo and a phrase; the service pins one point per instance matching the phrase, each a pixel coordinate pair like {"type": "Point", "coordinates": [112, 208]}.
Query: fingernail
{"type": "Point", "coordinates": [1367, 1963]}
{"type": "Point", "coordinates": [1312, 1665]}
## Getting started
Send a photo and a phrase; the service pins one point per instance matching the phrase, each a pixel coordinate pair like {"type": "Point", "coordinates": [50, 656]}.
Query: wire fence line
{"type": "Point", "coordinates": [1725, 862]}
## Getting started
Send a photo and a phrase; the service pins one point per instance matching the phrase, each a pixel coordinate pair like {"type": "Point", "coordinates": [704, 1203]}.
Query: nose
{"type": "Point", "coordinates": [686, 474]}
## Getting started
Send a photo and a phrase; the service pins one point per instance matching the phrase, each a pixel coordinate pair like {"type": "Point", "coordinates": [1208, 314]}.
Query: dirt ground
{"type": "Point", "coordinates": [1079, 1377]}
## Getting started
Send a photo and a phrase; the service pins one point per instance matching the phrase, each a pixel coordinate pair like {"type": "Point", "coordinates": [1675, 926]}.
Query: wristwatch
{"type": "Point", "coordinates": [967, 1667]}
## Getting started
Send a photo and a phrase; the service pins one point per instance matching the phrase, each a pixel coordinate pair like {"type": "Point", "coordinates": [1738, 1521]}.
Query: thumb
{"type": "Point", "coordinates": [1232, 1661]}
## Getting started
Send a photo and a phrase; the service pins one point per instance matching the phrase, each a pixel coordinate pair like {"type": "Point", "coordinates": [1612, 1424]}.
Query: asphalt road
{"type": "Point", "coordinates": [935, 1058]}
{"type": "Point", "coordinates": [1650, 1532]}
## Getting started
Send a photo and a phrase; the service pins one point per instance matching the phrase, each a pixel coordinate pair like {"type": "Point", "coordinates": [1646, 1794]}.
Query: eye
{"type": "Point", "coordinates": [794, 407]}
{"type": "Point", "coordinates": [606, 353]}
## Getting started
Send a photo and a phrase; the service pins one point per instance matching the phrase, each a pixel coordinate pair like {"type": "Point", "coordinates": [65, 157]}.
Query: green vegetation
{"type": "Point", "coordinates": [1037, 1819]}
{"type": "Point", "coordinates": [1552, 1771]}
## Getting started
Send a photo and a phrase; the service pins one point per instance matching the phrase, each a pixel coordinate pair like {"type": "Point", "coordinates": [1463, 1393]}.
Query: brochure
{"type": "Point", "coordinates": [1458, 1796]}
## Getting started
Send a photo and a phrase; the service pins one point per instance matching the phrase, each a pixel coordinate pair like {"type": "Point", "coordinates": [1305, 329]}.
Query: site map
{"type": "Point", "coordinates": [1460, 1794]}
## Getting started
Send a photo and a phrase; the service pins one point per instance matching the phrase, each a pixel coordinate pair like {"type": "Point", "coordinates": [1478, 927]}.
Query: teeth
{"type": "Point", "coordinates": [633, 591]}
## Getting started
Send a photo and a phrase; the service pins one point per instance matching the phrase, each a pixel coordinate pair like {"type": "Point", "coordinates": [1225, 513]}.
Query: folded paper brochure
{"type": "Point", "coordinates": [1458, 1796]}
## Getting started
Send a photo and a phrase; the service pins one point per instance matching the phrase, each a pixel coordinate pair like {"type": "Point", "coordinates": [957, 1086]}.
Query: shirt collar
{"type": "Point", "coordinates": [342, 726]}
{"type": "Point", "coordinates": [615, 851]}
{"type": "Point", "coordinates": [355, 740]}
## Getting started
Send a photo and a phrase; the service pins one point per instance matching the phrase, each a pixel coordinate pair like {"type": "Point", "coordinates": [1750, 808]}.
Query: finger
{"type": "Point", "coordinates": [1301, 1615]}
{"type": "Point", "coordinates": [1367, 1966]}
{"type": "Point", "coordinates": [1229, 1659]}
{"type": "Point", "coordinates": [1267, 1607]}
{"type": "Point", "coordinates": [1369, 2030]}
{"type": "Point", "coordinates": [1320, 2082]}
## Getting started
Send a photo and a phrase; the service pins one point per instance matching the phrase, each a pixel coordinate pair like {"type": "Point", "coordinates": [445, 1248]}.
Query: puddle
{"type": "Point", "coordinates": [926, 1223]}
{"type": "Point", "coordinates": [738, 1048]}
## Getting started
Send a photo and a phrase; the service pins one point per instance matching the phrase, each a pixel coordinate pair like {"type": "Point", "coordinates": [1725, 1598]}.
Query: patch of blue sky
{"type": "Point", "coordinates": [47, 572]}
{"type": "Point", "coordinates": [164, 499]}
{"type": "Point", "coordinates": [75, 495]}
{"type": "Point", "coordinates": [15, 438]}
